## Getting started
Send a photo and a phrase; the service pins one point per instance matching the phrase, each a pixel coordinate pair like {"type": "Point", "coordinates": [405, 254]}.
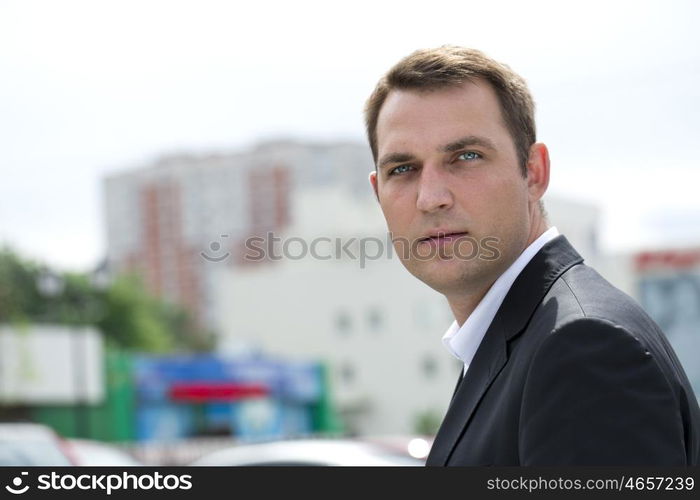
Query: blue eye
{"type": "Point", "coordinates": [400, 169]}
{"type": "Point", "coordinates": [469, 155]}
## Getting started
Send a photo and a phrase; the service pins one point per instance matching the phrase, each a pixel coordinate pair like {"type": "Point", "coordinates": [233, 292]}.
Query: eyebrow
{"type": "Point", "coordinates": [469, 140]}
{"type": "Point", "coordinates": [452, 147]}
{"type": "Point", "coordinates": [395, 158]}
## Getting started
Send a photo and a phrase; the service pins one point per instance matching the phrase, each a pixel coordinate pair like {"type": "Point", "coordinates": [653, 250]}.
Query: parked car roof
{"type": "Point", "coordinates": [307, 452]}
{"type": "Point", "coordinates": [32, 444]}
{"type": "Point", "coordinates": [96, 453]}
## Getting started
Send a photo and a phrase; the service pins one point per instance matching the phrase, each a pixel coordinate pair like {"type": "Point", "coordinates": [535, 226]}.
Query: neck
{"type": "Point", "coordinates": [539, 227]}
{"type": "Point", "coordinates": [463, 304]}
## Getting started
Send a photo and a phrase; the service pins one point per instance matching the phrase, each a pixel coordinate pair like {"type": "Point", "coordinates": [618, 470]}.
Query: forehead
{"type": "Point", "coordinates": [417, 119]}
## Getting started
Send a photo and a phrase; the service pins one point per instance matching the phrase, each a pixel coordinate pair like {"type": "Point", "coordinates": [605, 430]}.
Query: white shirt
{"type": "Point", "coordinates": [463, 342]}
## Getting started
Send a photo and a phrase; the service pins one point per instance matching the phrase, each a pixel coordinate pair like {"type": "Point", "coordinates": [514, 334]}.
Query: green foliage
{"type": "Point", "coordinates": [127, 315]}
{"type": "Point", "coordinates": [19, 296]}
{"type": "Point", "coordinates": [427, 423]}
{"type": "Point", "coordinates": [132, 319]}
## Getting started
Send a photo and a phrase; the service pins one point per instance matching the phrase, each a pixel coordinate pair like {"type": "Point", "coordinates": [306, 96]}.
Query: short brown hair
{"type": "Point", "coordinates": [433, 69]}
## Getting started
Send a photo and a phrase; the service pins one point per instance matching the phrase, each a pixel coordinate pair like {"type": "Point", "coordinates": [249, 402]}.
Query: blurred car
{"type": "Point", "coordinates": [308, 452]}
{"type": "Point", "coordinates": [415, 446]}
{"type": "Point", "coordinates": [28, 444]}
{"type": "Point", "coordinates": [97, 453]}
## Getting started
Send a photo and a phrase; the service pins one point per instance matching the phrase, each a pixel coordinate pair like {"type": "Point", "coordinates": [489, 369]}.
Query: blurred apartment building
{"type": "Point", "coordinates": [172, 221]}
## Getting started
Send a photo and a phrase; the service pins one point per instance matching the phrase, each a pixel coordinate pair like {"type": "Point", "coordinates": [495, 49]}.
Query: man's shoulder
{"type": "Point", "coordinates": [582, 294]}
{"type": "Point", "coordinates": [582, 301]}
{"type": "Point", "coordinates": [586, 320]}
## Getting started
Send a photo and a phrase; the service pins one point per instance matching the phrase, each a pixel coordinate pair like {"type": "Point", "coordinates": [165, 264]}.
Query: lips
{"type": "Point", "coordinates": [443, 236]}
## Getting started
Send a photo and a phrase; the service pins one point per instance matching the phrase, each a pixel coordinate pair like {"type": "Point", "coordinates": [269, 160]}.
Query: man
{"type": "Point", "coordinates": [560, 367]}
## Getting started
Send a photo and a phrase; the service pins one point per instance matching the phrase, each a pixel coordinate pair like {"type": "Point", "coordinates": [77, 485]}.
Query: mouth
{"type": "Point", "coordinates": [439, 237]}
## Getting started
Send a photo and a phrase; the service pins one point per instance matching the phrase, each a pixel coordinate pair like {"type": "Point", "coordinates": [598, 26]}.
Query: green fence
{"type": "Point", "coordinates": [111, 420]}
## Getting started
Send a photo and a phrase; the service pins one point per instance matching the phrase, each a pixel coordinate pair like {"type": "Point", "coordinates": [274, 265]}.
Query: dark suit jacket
{"type": "Point", "coordinates": [570, 372]}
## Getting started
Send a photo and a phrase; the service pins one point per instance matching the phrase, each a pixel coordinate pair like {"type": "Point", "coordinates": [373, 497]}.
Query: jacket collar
{"type": "Point", "coordinates": [526, 293]}
{"type": "Point", "coordinates": [533, 283]}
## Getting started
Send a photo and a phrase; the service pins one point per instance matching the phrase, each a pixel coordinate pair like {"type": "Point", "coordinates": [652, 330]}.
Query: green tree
{"type": "Point", "coordinates": [131, 318]}
{"type": "Point", "coordinates": [127, 315]}
{"type": "Point", "coordinates": [19, 296]}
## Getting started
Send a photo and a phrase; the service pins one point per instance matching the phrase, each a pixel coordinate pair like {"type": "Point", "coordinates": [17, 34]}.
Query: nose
{"type": "Point", "coordinates": [434, 193]}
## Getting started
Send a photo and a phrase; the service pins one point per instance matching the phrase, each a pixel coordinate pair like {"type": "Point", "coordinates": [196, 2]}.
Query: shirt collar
{"type": "Point", "coordinates": [463, 342]}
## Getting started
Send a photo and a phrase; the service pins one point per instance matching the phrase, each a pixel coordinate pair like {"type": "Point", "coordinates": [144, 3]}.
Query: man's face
{"type": "Point", "coordinates": [447, 164]}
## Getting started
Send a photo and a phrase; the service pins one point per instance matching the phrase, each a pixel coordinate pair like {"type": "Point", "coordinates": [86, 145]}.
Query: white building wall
{"type": "Point", "coordinates": [323, 311]}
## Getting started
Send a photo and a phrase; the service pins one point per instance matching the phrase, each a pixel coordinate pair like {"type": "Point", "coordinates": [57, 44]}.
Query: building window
{"type": "Point", "coordinates": [429, 367]}
{"type": "Point", "coordinates": [375, 319]}
{"type": "Point", "coordinates": [347, 373]}
{"type": "Point", "coordinates": [343, 323]}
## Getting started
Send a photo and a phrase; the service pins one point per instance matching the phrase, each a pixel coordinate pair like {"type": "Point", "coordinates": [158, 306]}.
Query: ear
{"type": "Point", "coordinates": [373, 182]}
{"type": "Point", "coordinates": [537, 171]}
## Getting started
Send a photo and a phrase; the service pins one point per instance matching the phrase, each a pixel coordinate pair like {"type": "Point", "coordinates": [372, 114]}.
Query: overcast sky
{"type": "Point", "coordinates": [92, 87]}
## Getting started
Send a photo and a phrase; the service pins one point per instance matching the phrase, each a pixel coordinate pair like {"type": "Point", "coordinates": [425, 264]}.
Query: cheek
{"type": "Point", "coordinates": [514, 186]}
{"type": "Point", "coordinates": [398, 210]}
{"type": "Point", "coordinates": [396, 220]}
{"type": "Point", "coordinates": [502, 204]}
{"type": "Point", "coordinates": [514, 212]}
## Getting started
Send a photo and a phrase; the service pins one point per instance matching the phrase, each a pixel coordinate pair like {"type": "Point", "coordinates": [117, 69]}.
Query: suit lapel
{"type": "Point", "coordinates": [517, 308]}
{"type": "Point", "coordinates": [459, 382]}
{"type": "Point", "coordinates": [488, 361]}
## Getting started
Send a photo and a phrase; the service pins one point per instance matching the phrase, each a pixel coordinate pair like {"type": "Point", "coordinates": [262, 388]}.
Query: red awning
{"type": "Point", "coordinates": [667, 259]}
{"type": "Point", "coordinates": [215, 391]}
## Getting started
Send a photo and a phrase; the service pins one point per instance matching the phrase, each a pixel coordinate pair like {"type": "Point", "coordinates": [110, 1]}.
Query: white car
{"type": "Point", "coordinates": [96, 453]}
{"type": "Point", "coordinates": [308, 452]}
{"type": "Point", "coordinates": [28, 444]}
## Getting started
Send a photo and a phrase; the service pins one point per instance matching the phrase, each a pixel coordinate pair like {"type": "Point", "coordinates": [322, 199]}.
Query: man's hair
{"type": "Point", "coordinates": [448, 66]}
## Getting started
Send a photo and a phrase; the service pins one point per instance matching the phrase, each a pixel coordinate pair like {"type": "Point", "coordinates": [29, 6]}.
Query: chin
{"type": "Point", "coordinates": [447, 276]}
